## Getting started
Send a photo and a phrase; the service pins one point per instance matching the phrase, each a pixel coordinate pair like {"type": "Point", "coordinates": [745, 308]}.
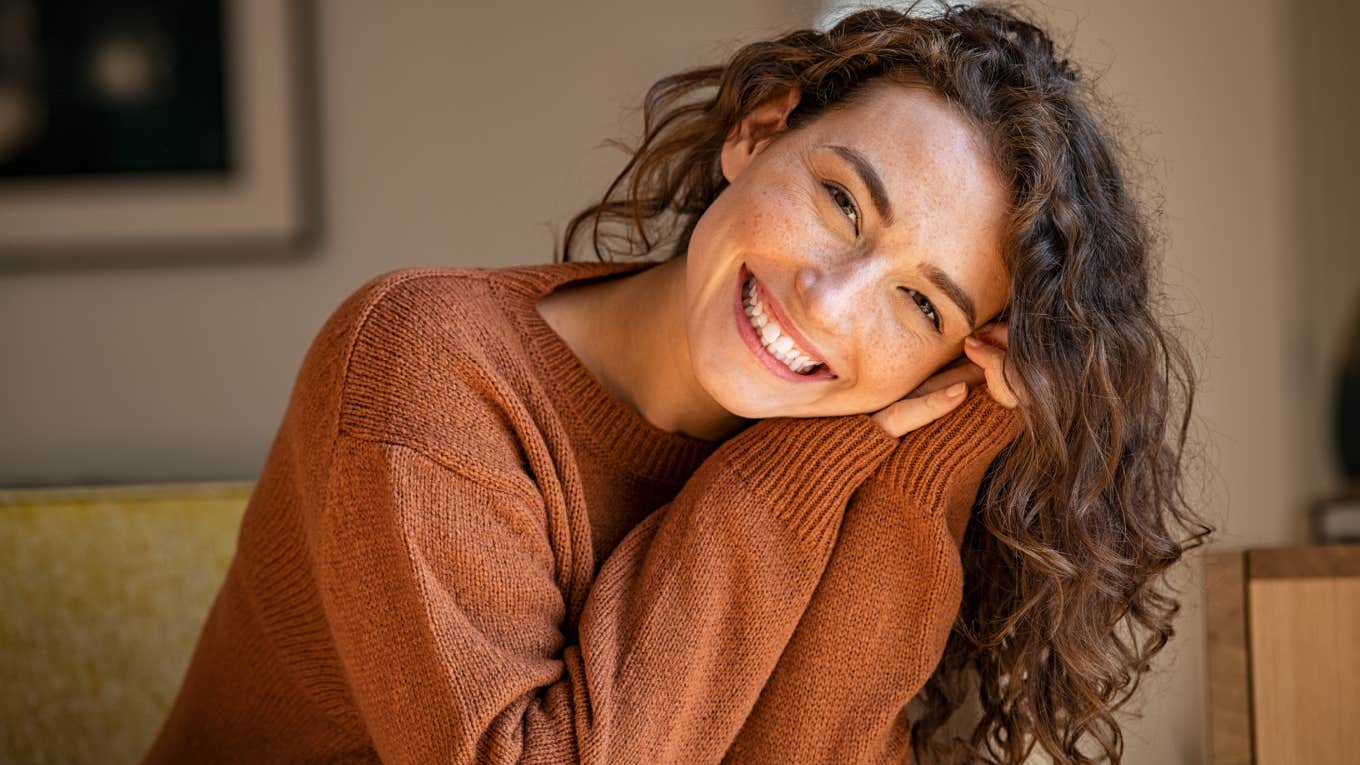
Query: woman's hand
{"type": "Point", "coordinates": [982, 363]}
{"type": "Point", "coordinates": [917, 409]}
{"type": "Point", "coordinates": [987, 347]}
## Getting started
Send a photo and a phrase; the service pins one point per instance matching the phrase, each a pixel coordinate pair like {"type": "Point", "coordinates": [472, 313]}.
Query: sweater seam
{"type": "Point", "coordinates": [343, 384]}
{"type": "Point", "coordinates": [506, 487]}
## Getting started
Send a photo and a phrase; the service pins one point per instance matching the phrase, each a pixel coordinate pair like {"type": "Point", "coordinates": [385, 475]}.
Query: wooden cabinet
{"type": "Point", "coordinates": [1284, 655]}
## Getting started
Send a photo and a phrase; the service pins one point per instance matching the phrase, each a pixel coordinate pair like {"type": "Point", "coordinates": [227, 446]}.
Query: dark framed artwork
{"type": "Point", "coordinates": [128, 125]}
{"type": "Point", "coordinates": [1335, 519]}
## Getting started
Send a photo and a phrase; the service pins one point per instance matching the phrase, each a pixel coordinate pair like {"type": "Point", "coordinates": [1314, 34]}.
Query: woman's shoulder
{"type": "Point", "coordinates": [438, 358]}
{"type": "Point", "coordinates": [428, 357]}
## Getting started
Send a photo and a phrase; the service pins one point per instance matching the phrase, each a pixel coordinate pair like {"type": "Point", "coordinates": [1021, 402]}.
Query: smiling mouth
{"type": "Point", "coordinates": [773, 337]}
{"type": "Point", "coordinates": [759, 324]}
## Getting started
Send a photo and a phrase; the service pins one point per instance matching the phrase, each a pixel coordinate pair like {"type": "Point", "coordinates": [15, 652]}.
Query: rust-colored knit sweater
{"type": "Point", "coordinates": [463, 549]}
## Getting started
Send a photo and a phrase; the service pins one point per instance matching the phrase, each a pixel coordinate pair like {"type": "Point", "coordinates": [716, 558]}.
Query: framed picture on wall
{"type": "Point", "coordinates": [153, 125]}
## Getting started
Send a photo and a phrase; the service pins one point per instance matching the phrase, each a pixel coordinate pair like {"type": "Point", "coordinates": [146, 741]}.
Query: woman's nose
{"type": "Point", "coordinates": [838, 287]}
{"type": "Point", "coordinates": [836, 296]}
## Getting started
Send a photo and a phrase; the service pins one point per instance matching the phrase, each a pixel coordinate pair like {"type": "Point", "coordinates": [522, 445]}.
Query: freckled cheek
{"type": "Point", "coordinates": [765, 228]}
{"type": "Point", "coordinates": [777, 217]}
{"type": "Point", "coordinates": [897, 364]}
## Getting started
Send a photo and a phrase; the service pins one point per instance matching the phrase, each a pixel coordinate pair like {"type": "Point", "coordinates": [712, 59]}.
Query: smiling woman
{"type": "Point", "coordinates": [730, 502]}
{"type": "Point", "coordinates": [900, 189]}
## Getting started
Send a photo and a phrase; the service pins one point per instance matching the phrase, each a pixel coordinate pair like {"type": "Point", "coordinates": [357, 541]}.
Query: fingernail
{"type": "Point", "coordinates": [955, 390]}
{"type": "Point", "coordinates": [972, 342]}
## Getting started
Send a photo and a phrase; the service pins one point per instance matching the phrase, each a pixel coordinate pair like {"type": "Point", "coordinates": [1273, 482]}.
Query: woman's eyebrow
{"type": "Point", "coordinates": [952, 290]}
{"type": "Point", "coordinates": [877, 192]}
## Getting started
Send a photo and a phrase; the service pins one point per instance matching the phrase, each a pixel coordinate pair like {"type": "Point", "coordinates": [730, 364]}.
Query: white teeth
{"type": "Point", "coordinates": [775, 341]}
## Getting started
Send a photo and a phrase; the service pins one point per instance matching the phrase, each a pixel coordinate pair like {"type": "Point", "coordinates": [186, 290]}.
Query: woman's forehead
{"type": "Point", "coordinates": [895, 122]}
{"type": "Point", "coordinates": [911, 154]}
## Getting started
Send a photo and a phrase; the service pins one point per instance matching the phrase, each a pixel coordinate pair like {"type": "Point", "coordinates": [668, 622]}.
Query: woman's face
{"type": "Point", "coordinates": [842, 258]}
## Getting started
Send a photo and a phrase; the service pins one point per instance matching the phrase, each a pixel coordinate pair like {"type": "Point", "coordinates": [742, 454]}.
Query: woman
{"type": "Point", "coordinates": [718, 508]}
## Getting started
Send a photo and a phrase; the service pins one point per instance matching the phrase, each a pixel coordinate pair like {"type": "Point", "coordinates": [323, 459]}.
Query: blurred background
{"type": "Point", "coordinates": [155, 305]}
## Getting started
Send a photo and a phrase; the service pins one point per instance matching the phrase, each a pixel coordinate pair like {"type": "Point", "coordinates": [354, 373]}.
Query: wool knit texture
{"type": "Point", "coordinates": [462, 548]}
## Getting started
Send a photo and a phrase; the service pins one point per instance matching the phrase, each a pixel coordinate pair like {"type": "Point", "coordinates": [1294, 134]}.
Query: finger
{"type": "Point", "coordinates": [982, 353]}
{"type": "Point", "coordinates": [909, 414]}
{"type": "Point", "coordinates": [996, 333]}
{"type": "Point", "coordinates": [993, 361]}
{"type": "Point", "coordinates": [959, 361]}
{"type": "Point", "coordinates": [967, 372]}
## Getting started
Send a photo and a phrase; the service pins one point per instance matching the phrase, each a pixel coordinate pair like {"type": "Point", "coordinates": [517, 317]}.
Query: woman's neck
{"type": "Point", "coordinates": [630, 333]}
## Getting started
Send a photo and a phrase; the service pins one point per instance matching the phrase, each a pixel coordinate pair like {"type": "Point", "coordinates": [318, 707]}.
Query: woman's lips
{"type": "Point", "coordinates": [787, 326]}
{"type": "Point", "coordinates": [748, 335]}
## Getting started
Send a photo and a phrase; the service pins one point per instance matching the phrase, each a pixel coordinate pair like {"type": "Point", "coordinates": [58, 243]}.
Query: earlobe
{"type": "Point", "coordinates": [754, 131]}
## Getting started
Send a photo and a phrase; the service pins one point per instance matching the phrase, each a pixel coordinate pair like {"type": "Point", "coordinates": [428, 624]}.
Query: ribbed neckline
{"type": "Point", "coordinates": [616, 429]}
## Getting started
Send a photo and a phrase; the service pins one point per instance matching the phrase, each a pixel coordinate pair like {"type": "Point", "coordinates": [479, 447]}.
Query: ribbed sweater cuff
{"type": "Point", "coordinates": [807, 468]}
{"type": "Point", "coordinates": [929, 459]}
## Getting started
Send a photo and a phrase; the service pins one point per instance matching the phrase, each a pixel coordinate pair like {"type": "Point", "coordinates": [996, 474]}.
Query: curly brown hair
{"type": "Point", "coordinates": [1077, 519]}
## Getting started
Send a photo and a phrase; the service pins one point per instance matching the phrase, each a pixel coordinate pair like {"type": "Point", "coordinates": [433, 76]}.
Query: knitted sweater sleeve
{"type": "Point", "coordinates": [876, 627]}
{"type": "Point", "coordinates": [438, 580]}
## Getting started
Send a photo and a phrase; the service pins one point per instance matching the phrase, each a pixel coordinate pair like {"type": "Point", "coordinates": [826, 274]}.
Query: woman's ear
{"type": "Point", "coordinates": [756, 129]}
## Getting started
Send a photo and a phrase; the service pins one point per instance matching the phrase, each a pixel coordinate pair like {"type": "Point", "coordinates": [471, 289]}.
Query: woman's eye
{"type": "Point", "coordinates": [843, 200]}
{"type": "Point", "coordinates": [926, 308]}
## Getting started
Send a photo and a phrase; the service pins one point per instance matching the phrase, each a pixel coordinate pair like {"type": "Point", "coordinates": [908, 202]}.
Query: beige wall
{"type": "Point", "coordinates": [456, 135]}
{"type": "Point", "coordinates": [450, 133]}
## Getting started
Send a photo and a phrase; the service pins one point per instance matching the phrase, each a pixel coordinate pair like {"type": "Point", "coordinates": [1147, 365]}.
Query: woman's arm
{"type": "Point", "coordinates": [437, 581]}
{"type": "Point", "coordinates": [877, 624]}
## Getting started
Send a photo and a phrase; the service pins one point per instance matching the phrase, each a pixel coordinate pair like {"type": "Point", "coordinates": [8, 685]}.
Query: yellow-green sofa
{"type": "Point", "coordinates": [103, 591]}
